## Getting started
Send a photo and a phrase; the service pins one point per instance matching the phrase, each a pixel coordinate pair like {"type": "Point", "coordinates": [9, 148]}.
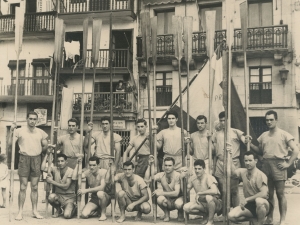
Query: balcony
{"type": "Point", "coordinates": [123, 102]}
{"type": "Point", "coordinates": [30, 89]}
{"type": "Point", "coordinates": [73, 10]}
{"type": "Point", "coordinates": [122, 62]}
{"type": "Point", "coordinates": [165, 44]}
{"type": "Point", "coordinates": [36, 25]}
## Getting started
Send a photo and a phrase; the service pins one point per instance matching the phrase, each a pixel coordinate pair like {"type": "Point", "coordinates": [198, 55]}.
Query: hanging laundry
{"type": "Point", "coordinates": [72, 48]}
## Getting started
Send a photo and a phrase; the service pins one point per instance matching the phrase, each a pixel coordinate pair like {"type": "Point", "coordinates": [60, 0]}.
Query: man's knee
{"type": "Point", "coordinates": [121, 194]}
{"type": "Point", "coordinates": [232, 216]}
{"type": "Point", "coordinates": [145, 207]}
{"type": "Point", "coordinates": [178, 203]}
{"type": "Point", "coordinates": [100, 194]}
{"type": "Point", "coordinates": [209, 198]}
{"type": "Point", "coordinates": [84, 215]}
{"type": "Point", "coordinates": [161, 200]}
{"type": "Point", "coordinates": [34, 187]}
{"type": "Point", "coordinates": [67, 215]}
{"type": "Point", "coordinates": [23, 187]}
{"type": "Point", "coordinates": [52, 198]}
{"type": "Point", "coordinates": [280, 193]}
{"type": "Point", "coordinates": [187, 207]}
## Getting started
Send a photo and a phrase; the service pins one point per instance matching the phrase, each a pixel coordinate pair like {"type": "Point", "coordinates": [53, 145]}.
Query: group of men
{"type": "Point", "coordinates": [258, 186]}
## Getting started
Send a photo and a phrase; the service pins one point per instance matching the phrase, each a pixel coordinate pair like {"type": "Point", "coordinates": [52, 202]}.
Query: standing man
{"type": "Point", "coordinates": [64, 198]}
{"type": "Point", "coordinates": [134, 194]}
{"type": "Point", "coordinates": [170, 197]}
{"type": "Point", "coordinates": [207, 201]}
{"type": "Point", "coordinates": [102, 141]}
{"type": "Point", "coordinates": [218, 141]}
{"type": "Point", "coordinates": [100, 191]}
{"type": "Point", "coordinates": [275, 145]}
{"type": "Point", "coordinates": [170, 139]}
{"type": "Point", "coordinates": [32, 142]}
{"type": "Point", "coordinates": [144, 152]}
{"type": "Point", "coordinates": [255, 206]}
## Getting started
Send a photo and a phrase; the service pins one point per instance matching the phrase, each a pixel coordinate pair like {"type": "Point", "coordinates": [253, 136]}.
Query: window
{"type": "Point", "coordinates": [13, 8]}
{"type": "Point", "coordinates": [214, 7]}
{"type": "Point", "coordinates": [21, 80]}
{"type": "Point", "coordinates": [260, 13]}
{"type": "Point", "coordinates": [260, 85]}
{"type": "Point", "coordinates": [164, 21]}
{"type": "Point", "coordinates": [41, 81]}
{"type": "Point", "coordinates": [163, 89]}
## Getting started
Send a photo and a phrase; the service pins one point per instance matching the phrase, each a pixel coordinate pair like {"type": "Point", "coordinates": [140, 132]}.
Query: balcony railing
{"type": "Point", "coordinates": [40, 21]}
{"type": "Point", "coordinates": [122, 102]}
{"type": "Point", "coordinates": [29, 86]}
{"type": "Point", "coordinates": [121, 59]}
{"type": "Point", "coordinates": [165, 43]}
{"type": "Point", "coordinates": [74, 6]}
{"type": "Point", "coordinates": [272, 37]}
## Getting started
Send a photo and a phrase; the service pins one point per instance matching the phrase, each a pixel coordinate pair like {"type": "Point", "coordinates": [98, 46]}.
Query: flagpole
{"type": "Point", "coordinates": [244, 25]}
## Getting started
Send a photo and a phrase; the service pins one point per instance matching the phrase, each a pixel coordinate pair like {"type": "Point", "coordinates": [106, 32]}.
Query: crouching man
{"type": "Point", "coordinates": [100, 192]}
{"type": "Point", "coordinates": [207, 201]}
{"type": "Point", "coordinates": [134, 194]}
{"type": "Point", "coordinates": [64, 198]}
{"type": "Point", "coordinates": [169, 197]}
{"type": "Point", "coordinates": [255, 207]}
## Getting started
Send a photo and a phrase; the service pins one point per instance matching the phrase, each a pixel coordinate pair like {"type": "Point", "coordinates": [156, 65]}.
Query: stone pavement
{"type": "Point", "coordinates": [293, 215]}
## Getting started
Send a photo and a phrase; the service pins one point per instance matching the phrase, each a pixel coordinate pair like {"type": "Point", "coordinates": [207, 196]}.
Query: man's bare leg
{"type": "Point", "coordinates": [282, 203]}
{"type": "Point", "coordinates": [262, 208]}
{"type": "Point", "coordinates": [162, 202]}
{"type": "Point", "coordinates": [103, 202]}
{"type": "Point", "coordinates": [211, 209]}
{"type": "Point", "coordinates": [53, 200]}
{"type": "Point", "coordinates": [69, 211]}
{"type": "Point", "coordinates": [179, 206]}
{"type": "Point", "coordinates": [34, 197]}
{"type": "Point", "coordinates": [123, 202]}
{"type": "Point", "coordinates": [144, 208]}
{"type": "Point", "coordinates": [22, 197]}
{"type": "Point", "coordinates": [271, 187]}
{"type": "Point", "coordinates": [88, 209]}
{"type": "Point", "coordinates": [4, 197]}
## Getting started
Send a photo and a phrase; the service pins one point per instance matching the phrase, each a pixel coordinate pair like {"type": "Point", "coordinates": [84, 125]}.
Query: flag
{"type": "Point", "coordinates": [59, 40]}
{"type": "Point", "coordinates": [244, 24]}
{"type": "Point", "coordinates": [97, 26]}
{"type": "Point", "coordinates": [19, 25]}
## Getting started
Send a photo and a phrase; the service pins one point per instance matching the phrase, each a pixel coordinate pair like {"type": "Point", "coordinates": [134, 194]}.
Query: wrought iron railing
{"type": "Point", "coordinates": [122, 102]}
{"type": "Point", "coordinates": [271, 37]}
{"type": "Point", "coordinates": [164, 95]}
{"type": "Point", "coordinates": [33, 22]}
{"type": "Point", "coordinates": [73, 6]}
{"type": "Point", "coordinates": [29, 86]}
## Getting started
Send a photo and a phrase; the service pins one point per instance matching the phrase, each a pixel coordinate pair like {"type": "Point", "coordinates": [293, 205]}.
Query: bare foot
{"type": "Point", "coordinates": [138, 216]}
{"type": "Point", "coordinates": [162, 217]}
{"type": "Point", "coordinates": [19, 217]}
{"type": "Point", "coordinates": [102, 217]}
{"type": "Point", "coordinates": [121, 219]}
{"type": "Point", "coordinates": [57, 213]}
{"type": "Point", "coordinates": [210, 223]}
{"type": "Point", "coordinates": [166, 219]}
{"type": "Point", "coordinates": [204, 222]}
{"type": "Point", "coordinates": [268, 221]}
{"type": "Point", "coordinates": [37, 215]}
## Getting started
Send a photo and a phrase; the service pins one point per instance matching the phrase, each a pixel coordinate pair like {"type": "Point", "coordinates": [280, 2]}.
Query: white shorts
{"type": "Point", "coordinates": [4, 183]}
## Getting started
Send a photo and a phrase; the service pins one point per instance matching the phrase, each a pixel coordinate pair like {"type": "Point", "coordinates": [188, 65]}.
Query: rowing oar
{"type": "Point", "coordinates": [138, 149]}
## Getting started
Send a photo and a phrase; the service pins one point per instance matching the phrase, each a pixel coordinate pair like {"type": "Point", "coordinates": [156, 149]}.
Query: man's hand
{"type": "Point", "coordinates": [113, 167]}
{"type": "Point", "coordinates": [184, 173]}
{"type": "Point", "coordinates": [283, 166]}
{"type": "Point", "coordinates": [158, 192]}
{"type": "Point", "coordinates": [79, 159]}
{"type": "Point", "coordinates": [81, 191]}
{"type": "Point", "coordinates": [150, 160]}
{"type": "Point", "coordinates": [13, 127]}
{"type": "Point", "coordinates": [243, 203]}
{"type": "Point", "coordinates": [90, 127]}
{"type": "Point", "coordinates": [187, 140]}
{"type": "Point", "coordinates": [248, 139]}
{"type": "Point", "coordinates": [130, 207]}
{"type": "Point", "coordinates": [50, 149]}
{"type": "Point", "coordinates": [229, 147]}
{"type": "Point", "coordinates": [49, 179]}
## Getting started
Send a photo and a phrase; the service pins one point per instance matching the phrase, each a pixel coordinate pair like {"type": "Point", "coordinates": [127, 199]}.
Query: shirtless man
{"type": "Point", "coordinates": [207, 199]}
{"type": "Point", "coordinates": [169, 198]}
{"type": "Point", "coordinates": [170, 139]}
{"type": "Point", "coordinates": [255, 206]}
{"type": "Point", "coordinates": [144, 152]}
{"type": "Point", "coordinates": [100, 197]}
{"type": "Point", "coordinates": [64, 198]}
{"type": "Point", "coordinates": [134, 194]}
{"type": "Point", "coordinates": [102, 141]}
{"type": "Point", "coordinates": [32, 142]}
{"type": "Point", "coordinates": [275, 144]}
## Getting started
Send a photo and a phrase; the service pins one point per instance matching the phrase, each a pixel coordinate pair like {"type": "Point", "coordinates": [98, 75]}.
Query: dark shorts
{"type": "Point", "coordinates": [251, 206]}
{"type": "Point", "coordinates": [217, 201]}
{"type": "Point", "coordinates": [142, 165]}
{"type": "Point", "coordinates": [172, 202]}
{"type": "Point", "coordinates": [95, 200]}
{"type": "Point", "coordinates": [269, 167]}
{"type": "Point", "coordinates": [65, 199]}
{"type": "Point", "coordinates": [29, 166]}
{"type": "Point", "coordinates": [138, 207]}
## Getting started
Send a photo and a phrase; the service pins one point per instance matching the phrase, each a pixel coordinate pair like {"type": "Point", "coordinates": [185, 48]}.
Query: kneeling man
{"type": "Point", "coordinates": [100, 192]}
{"type": "Point", "coordinates": [255, 207]}
{"type": "Point", "coordinates": [169, 198]}
{"type": "Point", "coordinates": [64, 198]}
{"type": "Point", "coordinates": [207, 201]}
{"type": "Point", "coordinates": [134, 194]}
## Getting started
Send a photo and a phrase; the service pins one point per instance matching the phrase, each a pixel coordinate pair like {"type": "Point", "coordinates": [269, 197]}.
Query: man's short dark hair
{"type": "Point", "coordinates": [128, 163]}
{"type": "Point", "coordinates": [169, 159]}
{"type": "Point", "coordinates": [32, 113]}
{"type": "Point", "coordinates": [59, 155]}
{"type": "Point", "coordinates": [199, 162]}
{"type": "Point", "coordinates": [222, 115]}
{"type": "Point", "coordinates": [74, 120]}
{"type": "Point", "coordinates": [94, 158]}
{"type": "Point", "coordinates": [172, 112]}
{"type": "Point", "coordinates": [141, 121]}
{"type": "Point", "coordinates": [202, 117]}
{"type": "Point", "coordinates": [272, 112]}
{"type": "Point", "coordinates": [105, 118]}
{"type": "Point", "coordinates": [255, 156]}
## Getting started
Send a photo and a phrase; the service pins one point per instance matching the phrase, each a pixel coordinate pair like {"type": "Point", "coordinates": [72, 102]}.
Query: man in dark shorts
{"type": "Point", "coordinates": [275, 144]}
{"type": "Point", "coordinates": [255, 207]}
{"type": "Point", "coordinates": [207, 202]}
{"type": "Point", "coordinates": [134, 194]}
{"type": "Point", "coordinates": [100, 192]}
{"type": "Point", "coordinates": [64, 198]}
{"type": "Point", "coordinates": [144, 152]}
{"type": "Point", "coordinates": [32, 141]}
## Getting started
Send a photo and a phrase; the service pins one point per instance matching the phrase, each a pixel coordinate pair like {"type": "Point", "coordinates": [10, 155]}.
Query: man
{"type": "Point", "coordinates": [255, 206]}
{"type": "Point", "coordinates": [64, 198]}
{"type": "Point", "coordinates": [169, 198]}
{"type": "Point", "coordinates": [102, 141]}
{"type": "Point", "coordinates": [170, 139]}
{"type": "Point", "coordinates": [134, 194]}
{"type": "Point", "coordinates": [32, 141]}
{"type": "Point", "coordinates": [219, 146]}
{"type": "Point", "coordinates": [144, 152]}
{"type": "Point", "coordinates": [275, 145]}
{"type": "Point", "coordinates": [207, 201]}
{"type": "Point", "coordinates": [69, 144]}
{"type": "Point", "coordinates": [100, 192]}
